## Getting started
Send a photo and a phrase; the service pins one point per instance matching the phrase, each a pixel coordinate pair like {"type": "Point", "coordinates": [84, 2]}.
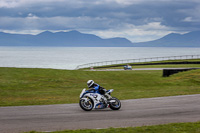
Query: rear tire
{"type": "Point", "coordinates": [87, 106]}
{"type": "Point", "coordinates": [115, 105]}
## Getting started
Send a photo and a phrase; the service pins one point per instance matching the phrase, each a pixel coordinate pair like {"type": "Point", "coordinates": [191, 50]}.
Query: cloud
{"type": "Point", "coordinates": [8, 3]}
{"type": "Point", "coordinates": [141, 33]}
{"type": "Point", "coordinates": [188, 19]}
{"type": "Point", "coordinates": [137, 20]}
{"type": "Point", "coordinates": [21, 3]}
{"type": "Point", "coordinates": [55, 23]}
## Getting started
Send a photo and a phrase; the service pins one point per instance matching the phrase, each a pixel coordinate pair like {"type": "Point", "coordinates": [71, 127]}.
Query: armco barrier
{"type": "Point", "coordinates": [127, 61]}
{"type": "Point", "coordinates": [162, 63]}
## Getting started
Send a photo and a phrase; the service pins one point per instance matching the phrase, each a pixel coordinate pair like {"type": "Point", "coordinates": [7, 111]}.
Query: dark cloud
{"type": "Point", "coordinates": [101, 15]}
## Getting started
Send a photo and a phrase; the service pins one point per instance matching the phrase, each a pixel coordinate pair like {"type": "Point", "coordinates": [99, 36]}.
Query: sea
{"type": "Point", "coordinates": [70, 57]}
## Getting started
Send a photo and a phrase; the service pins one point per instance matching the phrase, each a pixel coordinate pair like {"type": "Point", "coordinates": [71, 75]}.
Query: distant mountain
{"type": "Point", "coordinates": [71, 39]}
{"type": "Point", "coordinates": [76, 39]}
{"type": "Point", "coordinates": [191, 39]}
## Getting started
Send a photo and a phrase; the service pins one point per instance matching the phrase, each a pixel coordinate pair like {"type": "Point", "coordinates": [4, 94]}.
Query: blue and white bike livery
{"type": "Point", "coordinates": [92, 99]}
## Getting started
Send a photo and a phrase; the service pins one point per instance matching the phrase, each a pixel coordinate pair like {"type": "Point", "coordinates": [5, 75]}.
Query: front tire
{"type": "Point", "coordinates": [86, 105]}
{"type": "Point", "coordinates": [115, 105]}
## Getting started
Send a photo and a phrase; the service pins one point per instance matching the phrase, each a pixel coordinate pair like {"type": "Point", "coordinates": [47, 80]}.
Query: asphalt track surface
{"type": "Point", "coordinates": [137, 112]}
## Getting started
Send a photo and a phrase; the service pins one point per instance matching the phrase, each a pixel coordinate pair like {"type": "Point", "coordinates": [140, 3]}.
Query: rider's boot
{"type": "Point", "coordinates": [107, 96]}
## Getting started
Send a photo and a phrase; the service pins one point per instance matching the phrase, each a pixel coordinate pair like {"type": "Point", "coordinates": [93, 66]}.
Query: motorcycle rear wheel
{"type": "Point", "coordinates": [115, 105]}
{"type": "Point", "coordinates": [86, 105]}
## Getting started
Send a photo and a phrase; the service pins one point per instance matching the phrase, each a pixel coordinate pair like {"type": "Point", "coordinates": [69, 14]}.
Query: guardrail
{"type": "Point", "coordinates": [127, 61]}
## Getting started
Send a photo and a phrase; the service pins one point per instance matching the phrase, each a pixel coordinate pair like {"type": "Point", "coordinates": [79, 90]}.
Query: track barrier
{"type": "Point", "coordinates": [141, 60]}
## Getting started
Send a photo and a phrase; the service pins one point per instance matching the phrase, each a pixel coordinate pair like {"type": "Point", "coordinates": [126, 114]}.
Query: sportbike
{"type": "Point", "coordinates": [92, 99]}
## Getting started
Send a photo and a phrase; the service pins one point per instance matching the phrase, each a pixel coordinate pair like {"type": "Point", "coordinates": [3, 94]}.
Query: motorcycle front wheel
{"type": "Point", "coordinates": [115, 105]}
{"type": "Point", "coordinates": [86, 105]}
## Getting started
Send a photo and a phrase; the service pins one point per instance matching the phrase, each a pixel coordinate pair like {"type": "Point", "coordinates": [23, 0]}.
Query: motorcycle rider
{"type": "Point", "coordinates": [94, 86]}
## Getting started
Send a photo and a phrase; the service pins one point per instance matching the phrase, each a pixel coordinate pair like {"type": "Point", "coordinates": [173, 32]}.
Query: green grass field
{"type": "Point", "coordinates": [167, 128]}
{"type": "Point", "coordinates": [26, 86]}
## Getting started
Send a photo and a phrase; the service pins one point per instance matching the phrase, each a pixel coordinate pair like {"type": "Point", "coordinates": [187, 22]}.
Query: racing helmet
{"type": "Point", "coordinates": [90, 83]}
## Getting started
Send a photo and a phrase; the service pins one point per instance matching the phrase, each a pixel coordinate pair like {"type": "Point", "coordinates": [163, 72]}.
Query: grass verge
{"type": "Point", "coordinates": [167, 128]}
{"type": "Point", "coordinates": [26, 86]}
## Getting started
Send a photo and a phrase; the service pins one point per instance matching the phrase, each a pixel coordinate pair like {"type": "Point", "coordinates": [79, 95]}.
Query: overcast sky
{"type": "Point", "coordinates": [137, 20]}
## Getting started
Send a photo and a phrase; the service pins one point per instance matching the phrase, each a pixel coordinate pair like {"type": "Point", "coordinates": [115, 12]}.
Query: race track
{"type": "Point", "coordinates": [138, 112]}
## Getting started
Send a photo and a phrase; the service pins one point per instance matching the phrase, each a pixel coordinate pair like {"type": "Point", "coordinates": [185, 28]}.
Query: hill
{"type": "Point", "coordinates": [71, 39]}
{"type": "Point", "coordinates": [191, 39]}
{"type": "Point", "coordinates": [76, 39]}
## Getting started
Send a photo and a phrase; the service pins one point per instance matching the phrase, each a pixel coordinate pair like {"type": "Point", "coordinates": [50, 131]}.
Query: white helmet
{"type": "Point", "coordinates": [90, 83]}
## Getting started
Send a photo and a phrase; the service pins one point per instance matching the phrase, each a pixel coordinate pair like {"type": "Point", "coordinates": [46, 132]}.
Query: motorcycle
{"type": "Point", "coordinates": [92, 99]}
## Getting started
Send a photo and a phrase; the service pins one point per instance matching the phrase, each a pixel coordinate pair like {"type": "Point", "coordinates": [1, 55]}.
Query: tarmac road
{"type": "Point", "coordinates": [138, 112]}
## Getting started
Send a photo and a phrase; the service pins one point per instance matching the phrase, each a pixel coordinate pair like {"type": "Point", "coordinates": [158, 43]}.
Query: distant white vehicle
{"type": "Point", "coordinates": [128, 67]}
